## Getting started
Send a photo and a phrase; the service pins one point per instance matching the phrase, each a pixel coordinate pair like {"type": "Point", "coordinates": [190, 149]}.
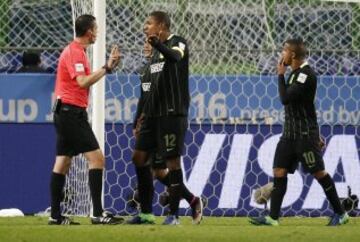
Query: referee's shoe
{"type": "Point", "coordinates": [107, 218]}
{"type": "Point", "coordinates": [62, 220]}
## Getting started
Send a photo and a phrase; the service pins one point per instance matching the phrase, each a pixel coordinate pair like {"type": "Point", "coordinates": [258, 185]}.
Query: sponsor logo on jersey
{"type": "Point", "coordinates": [146, 86]}
{"type": "Point", "coordinates": [157, 67]}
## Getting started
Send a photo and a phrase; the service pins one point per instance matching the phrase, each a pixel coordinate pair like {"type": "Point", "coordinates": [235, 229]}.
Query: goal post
{"type": "Point", "coordinates": [98, 60]}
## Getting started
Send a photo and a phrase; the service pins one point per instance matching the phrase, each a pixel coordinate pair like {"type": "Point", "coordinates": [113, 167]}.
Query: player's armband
{"type": "Point", "coordinates": [180, 48]}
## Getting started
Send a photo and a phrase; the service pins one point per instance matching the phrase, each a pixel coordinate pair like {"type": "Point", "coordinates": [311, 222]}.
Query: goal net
{"type": "Point", "coordinates": [235, 115]}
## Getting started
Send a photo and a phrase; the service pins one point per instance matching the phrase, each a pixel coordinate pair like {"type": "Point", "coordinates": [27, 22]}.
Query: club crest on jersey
{"type": "Point", "coordinates": [157, 67]}
{"type": "Point", "coordinates": [146, 86]}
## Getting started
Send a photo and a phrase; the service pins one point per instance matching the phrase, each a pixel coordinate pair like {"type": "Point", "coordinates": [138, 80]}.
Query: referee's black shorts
{"type": "Point", "coordinates": [74, 134]}
{"type": "Point", "coordinates": [289, 153]}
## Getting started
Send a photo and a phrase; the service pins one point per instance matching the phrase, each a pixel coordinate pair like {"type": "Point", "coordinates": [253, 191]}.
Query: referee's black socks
{"type": "Point", "coordinates": [57, 183]}
{"type": "Point", "coordinates": [145, 187]}
{"type": "Point", "coordinates": [330, 191]}
{"type": "Point", "coordinates": [277, 196]}
{"type": "Point", "coordinates": [175, 190]}
{"type": "Point", "coordinates": [95, 183]}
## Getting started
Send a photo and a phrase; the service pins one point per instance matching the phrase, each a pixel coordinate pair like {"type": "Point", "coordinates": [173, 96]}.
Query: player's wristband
{"type": "Point", "coordinates": [107, 69]}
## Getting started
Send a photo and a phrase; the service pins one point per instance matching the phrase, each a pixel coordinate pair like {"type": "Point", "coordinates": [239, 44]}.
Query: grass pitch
{"type": "Point", "coordinates": [217, 229]}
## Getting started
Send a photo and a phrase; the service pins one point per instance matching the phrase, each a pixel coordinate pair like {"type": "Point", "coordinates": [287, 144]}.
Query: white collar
{"type": "Point", "coordinates": [170, 36]}
{"type": "Point", "coordinates": [304, 64]}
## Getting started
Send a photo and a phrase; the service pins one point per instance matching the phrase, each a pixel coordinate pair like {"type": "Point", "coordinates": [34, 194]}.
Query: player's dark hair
{"type": "Point", "coordinates": [162, 17]}
{"type": "Point", "coordinates": [31, 59]}
{"type": "Point", "coordinates": [298, 47]}
{"type": "Point", "coordinates": [83, 23]}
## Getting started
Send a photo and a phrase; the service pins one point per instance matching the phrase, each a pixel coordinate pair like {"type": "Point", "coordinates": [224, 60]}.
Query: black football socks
{"type": "Point", "coordinates": [277, 196]}
{"type": "Point", "coordinates": [57, 183]}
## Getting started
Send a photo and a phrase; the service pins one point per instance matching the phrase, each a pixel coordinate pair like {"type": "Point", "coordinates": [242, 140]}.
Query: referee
{"type": "Point", "coordinates": [164, 115]}
{"type": "Point", "coordinates": [74, 134]}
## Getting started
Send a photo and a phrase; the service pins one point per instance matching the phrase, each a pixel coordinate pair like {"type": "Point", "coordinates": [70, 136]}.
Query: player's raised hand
{"type": "Point", "coordinates": [114, 57]}
{"type": "Point", "coordinates": [153, 40]}
{"type": "Point", "coordinates": [281, 68]}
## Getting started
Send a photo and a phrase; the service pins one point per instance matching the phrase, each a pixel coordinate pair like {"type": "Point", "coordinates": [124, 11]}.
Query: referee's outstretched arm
{"type": "Point", "coordinates": [114, 59]}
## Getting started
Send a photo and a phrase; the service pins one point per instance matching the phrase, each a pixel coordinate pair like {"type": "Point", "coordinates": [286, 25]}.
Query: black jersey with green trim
{"type": "Point", "coordinates": [169, 91]}
{"type": "Point", "coordinates": [297, 95]}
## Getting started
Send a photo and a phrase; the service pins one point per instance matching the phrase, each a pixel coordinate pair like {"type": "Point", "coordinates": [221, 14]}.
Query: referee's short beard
{"type": "Point", "coordinates": [92, 40]}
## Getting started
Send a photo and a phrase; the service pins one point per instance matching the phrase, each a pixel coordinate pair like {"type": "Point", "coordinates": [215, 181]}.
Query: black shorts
{"type": "Point", "coordinates": [74, 134]}
{"type": "Point", "coordinates": [166, 135]}
{"type": "Point", "coordinates": [157, 161]}
{"type": "Point", "coordinates": [307, 151]}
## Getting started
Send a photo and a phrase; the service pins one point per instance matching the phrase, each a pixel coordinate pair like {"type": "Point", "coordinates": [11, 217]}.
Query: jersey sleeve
{"type": "Point", "coordinates": [141, 101]}
{"type": "Point", "coordinates": [76, 63]}
{"type": "Point", "coordinates": [173, 51]}
{"type": "Point", "coordinates": [180, 45]}
{"type": "Point", "coordinates": [139, 109]}
{"type": "Point", "coordinates": [295, 91]}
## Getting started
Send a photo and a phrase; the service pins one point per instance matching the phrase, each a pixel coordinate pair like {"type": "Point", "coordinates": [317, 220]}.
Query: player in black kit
{"type": "Point", "coordinates": [157, 163]}
{"type": "Point", "coordinates": [300, 140]}
{"type": "Point", "coordinates": [164, 115]}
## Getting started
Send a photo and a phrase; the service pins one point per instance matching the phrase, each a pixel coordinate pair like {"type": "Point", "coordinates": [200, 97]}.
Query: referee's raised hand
{"type": "Point", "coordinates": [114, 57]}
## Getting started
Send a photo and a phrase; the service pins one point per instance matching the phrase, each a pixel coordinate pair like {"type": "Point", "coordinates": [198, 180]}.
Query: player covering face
{"type": "Point", "coordinates": [164, 115]}
{"type": "Point", "coordinates": [300, 140]}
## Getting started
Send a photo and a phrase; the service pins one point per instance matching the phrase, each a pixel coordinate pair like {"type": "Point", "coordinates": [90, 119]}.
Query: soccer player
{"type": "Point", "coordinates": [164, 115]}
{"type": "Point", "coordinates": [74, 134]}
{"type": "Point", "coordinates": [157, 163]}
{"type": "Point", "coordinates": [300, 140]}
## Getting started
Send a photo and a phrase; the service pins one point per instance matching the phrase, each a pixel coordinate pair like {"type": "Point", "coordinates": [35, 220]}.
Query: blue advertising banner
{"type": "Point", "coordinates": [223, 163]}
{"type": "Point", "coordinates": [234, 99]}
